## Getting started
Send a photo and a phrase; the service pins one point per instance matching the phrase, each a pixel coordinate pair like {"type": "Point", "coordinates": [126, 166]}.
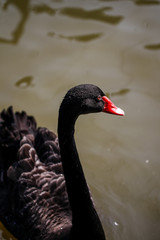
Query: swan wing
{"type": "Point", "coordinates": [35, 201]}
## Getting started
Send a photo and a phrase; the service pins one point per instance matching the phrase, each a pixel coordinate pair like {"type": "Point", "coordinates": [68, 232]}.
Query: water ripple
{"type": "Point", "coordinates": [25, 82]}
{"type": "Point", "coordinates": [83, 38]}
{"type": "Point", "coordinates": [147, 2]}
{"type": "Point", "coordinates": [43, 8]}
{"type": "Point", "coordinates": [153, 46]}
{"type": "Point", "coordinates": [96, 14]}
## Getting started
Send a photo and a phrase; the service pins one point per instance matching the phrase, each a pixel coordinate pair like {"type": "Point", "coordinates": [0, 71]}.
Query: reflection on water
{"type": "Point", "coordinates": [83, 38]}
{"type": "Point", "coordinates": [23, 8]}
{"type": "Point", "coordinates": [98, 14]}
{"type": "Point", "coordinates": [43, 9]}
{"type": "Point", "coordinates": [153, 46]}
{"type": "Point", "coordinates": [147, 2]}
{"type": "Point", "coordinates": [25, 82]}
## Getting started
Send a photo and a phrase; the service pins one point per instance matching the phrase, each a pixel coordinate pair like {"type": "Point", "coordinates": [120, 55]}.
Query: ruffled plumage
{"type": "Point", "coordinates": [34, 202]}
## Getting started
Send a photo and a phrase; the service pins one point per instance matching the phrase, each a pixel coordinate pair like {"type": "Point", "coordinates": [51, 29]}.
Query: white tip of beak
{"type": "Point", "coordinates": [119, 111]}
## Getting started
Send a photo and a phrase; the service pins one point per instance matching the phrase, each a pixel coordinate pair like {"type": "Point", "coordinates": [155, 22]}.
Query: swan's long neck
{"type": "Point", "coordinates": [85, 218]}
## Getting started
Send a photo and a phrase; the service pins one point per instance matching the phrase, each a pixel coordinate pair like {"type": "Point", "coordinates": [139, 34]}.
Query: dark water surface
{"type": "Point", "coordinates": [48, 46]}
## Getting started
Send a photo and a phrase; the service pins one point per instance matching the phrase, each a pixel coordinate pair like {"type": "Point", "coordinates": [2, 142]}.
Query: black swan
{"type": "Point", "coordinates": [43, 191]}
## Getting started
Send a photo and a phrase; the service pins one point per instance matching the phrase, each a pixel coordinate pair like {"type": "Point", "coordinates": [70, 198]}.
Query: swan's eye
{"type": "Point", "coordinates": [99, 98]}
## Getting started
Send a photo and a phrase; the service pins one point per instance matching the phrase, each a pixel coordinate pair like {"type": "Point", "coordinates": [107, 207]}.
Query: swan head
{"type": "Point", "coordinates": [88, 98]}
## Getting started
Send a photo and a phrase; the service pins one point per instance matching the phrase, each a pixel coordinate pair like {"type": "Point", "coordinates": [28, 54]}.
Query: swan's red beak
{"type": "Point", "coordinates": [109, 107]}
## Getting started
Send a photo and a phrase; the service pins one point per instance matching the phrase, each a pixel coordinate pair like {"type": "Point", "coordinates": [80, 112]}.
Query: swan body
{"type": "Point", "coordinates": [44, 194]}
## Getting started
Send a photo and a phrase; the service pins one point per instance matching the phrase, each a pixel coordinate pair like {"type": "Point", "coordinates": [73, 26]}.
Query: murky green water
{"type": "Point", "coordinates": [48, 46]}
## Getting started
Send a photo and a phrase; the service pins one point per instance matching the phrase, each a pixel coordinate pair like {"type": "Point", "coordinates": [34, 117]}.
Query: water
{"type": "Point", "coordinates": [46, 47]}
